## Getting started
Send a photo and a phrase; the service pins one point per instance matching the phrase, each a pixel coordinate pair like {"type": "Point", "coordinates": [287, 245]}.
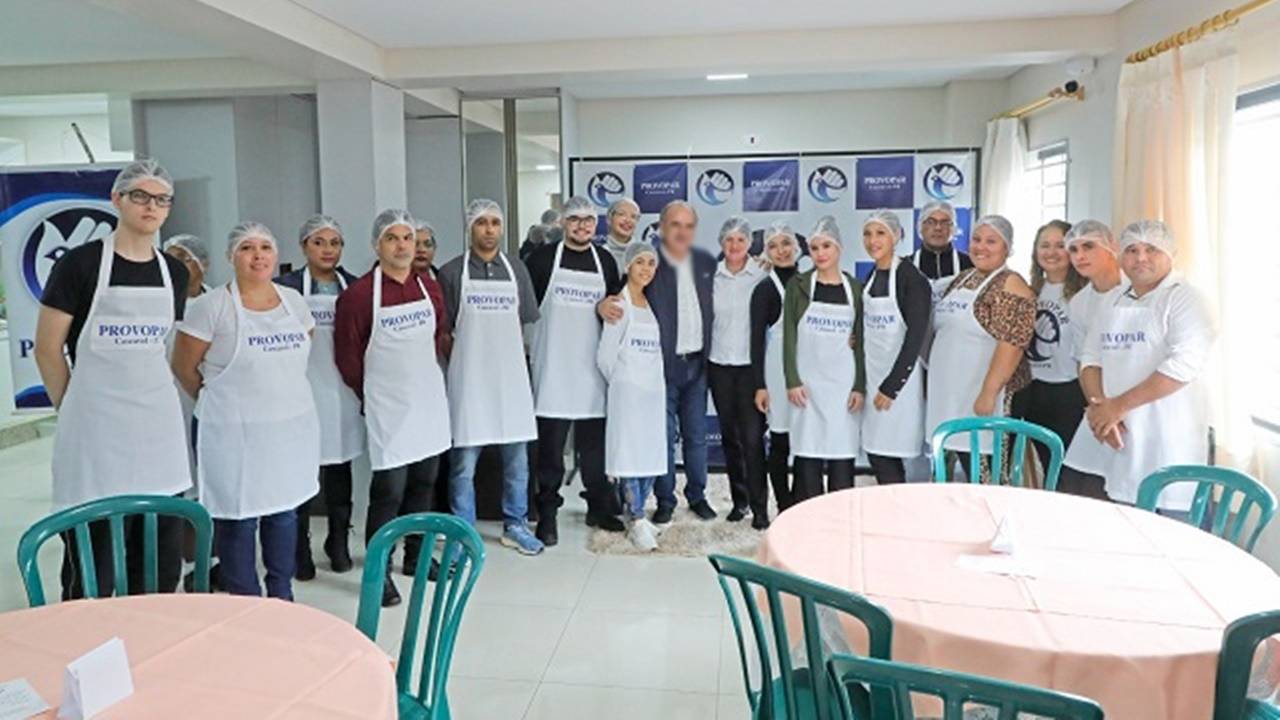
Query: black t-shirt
{"type": "Point", "coordinates": [766, 308]}
{"type": "Point", "coordinates": [541, 261]}
{"type": "Point", "coordinates": [936, 265]}
{"type": "Point", "coordinates": [74, 279]}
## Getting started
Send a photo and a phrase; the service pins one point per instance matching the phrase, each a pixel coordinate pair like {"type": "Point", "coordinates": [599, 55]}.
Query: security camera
{"type": "Point", "coordinates": [1070, 87]}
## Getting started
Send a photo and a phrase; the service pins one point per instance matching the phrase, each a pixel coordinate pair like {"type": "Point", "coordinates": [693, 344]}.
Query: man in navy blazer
{"type": "Point", "coordinates": [684, 320]}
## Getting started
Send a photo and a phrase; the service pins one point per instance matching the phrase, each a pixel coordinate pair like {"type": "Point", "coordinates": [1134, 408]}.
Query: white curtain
{"type": "Point", "coordinates": [1004, 185]}
{"type": "Point", "coordinates": [1174, 118]}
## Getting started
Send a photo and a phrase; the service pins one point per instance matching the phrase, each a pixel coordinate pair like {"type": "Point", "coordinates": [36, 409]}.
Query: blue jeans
{"type": "Point", "coordinates": [515, 483]}
{"type": "Point", "coordinates": [635, 491]}
{"type": "Point", "coordinates": [687, 415]}
{"type": "Point", "coordinates": [237, 553]}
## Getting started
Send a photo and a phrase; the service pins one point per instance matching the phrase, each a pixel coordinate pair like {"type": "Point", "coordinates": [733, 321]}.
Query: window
{"type": "Point", "coordinates": [1046, 174]}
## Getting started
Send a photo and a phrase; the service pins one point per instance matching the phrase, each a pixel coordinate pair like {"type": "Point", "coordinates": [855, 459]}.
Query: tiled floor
{"type": "Point", "coordinates": [567, 634]}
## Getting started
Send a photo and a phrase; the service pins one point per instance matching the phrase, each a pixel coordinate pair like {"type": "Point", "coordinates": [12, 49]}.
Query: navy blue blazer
{"type": "Point", "coordinates": [294, 279]}
{"type": "Point", "coordinates": [661, 293]}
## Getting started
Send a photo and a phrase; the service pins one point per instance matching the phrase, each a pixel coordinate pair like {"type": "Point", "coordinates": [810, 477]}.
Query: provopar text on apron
{"type": "Point", "coordinates": [898, 431]}
{"type": "Point", "coordinates": [824, 428]}
{"type": "Point", "coordinates": [962, 350]}
{"type": "Point", "coordinates": [341, 428]}
{"type": "Point", "coordinates": [566, 382]}
{"type": "Point", "coordinates": [636, 435]}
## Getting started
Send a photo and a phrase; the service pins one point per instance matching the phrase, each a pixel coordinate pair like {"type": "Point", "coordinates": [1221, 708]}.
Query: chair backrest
{"type": "Point", "coordinates": [999, 427]}
{"type": "Point", "coordinates": [1226, 524]}
{"type": "Point", "coordinates": [462, 559]}
{"type": "Point", "coordinates": [755, 582]}
{"type": "Point", "coordinates": [114, 510]}
{"type": "Point", "coordinates": [1235, 666]}
{"type": "Point", "coordinates": [956, 691]}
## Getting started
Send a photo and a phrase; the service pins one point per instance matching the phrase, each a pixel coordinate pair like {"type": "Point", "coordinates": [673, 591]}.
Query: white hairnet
{"type": "Point", "coordinates": [1151, 232]}
{"type": "Point", "coordinates": [578, 207]}
{"type": "Point", "coordinates": [315, 224]}
{"type": "Point", "coordinates": [1093, 229]}
{"type": "Point", "coordinates": [887, 218]}
{"type": "Point", "coordinates": [617, 205]}
{"type": "Point", "coordinates": [482, 207]}
{"type": "Point", "coordinates": [826, 227]}
{"type": "Point", "coordinates": [390, 218]}
{"type": "Point", "coordinates": [550, 216]}
{"type": "Point", "coordinates": [194, 247]}
{"type": "Point", "coordinates": [424, 226]}
{"type": "Point", "coordinates": [780, 227]}
{"type": "Point", "coordinates": [635, 250]}
{"type": "Point", "coordinates": [1001, 225]}
{"type": "Point", "coordinates": [938, 206]}
{"type": "Point", "coordinates": [538, 235]}
{"type": "Point", "coordinates": [736, 225]}
{"type": "Point", "coordinates": [247, 231]}
{"type": "Point", "coordinates": [141, 171]}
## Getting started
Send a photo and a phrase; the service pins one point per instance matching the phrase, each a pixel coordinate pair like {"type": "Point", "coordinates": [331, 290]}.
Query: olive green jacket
{"type": "Point", "coordinates": [794, 304]}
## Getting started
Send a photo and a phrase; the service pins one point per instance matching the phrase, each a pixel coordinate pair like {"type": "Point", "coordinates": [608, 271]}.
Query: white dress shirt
{"type": "Point", "coordinates": [731, 319]}
{"type": "Point", "coordinates": [689, 311]}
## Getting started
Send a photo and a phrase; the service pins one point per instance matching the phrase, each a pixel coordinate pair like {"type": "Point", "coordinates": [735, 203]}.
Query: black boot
{"type": "Point", "coordinates": [335, 544]}
{"type": "Point", "coordinates": [412, 549]}
{"type": "Point", "coordinates": [608, 523]}
{"type": "Point", "coordinates": [306, 567]}
{"type": "Point", "coordinates": [390, 595]}
{"type": "Point", "coordinates": [547, 531]}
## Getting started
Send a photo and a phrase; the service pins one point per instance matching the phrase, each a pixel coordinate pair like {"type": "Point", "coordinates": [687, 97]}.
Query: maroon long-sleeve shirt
{"type": "Point", "coordinates": [353, 320]}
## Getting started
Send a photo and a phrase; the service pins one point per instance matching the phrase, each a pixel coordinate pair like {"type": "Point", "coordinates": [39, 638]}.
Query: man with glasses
{"type": "Point", "coordinates": [938, 258]}
{"type": "Point", "coordinates": [110, 304]}
{"type": "Point", "coordinates": [569, 278]}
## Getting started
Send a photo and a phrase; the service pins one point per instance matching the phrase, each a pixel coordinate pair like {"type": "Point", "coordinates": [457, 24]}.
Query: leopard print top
{"type": "Point", "coordinates": [1006, 317]}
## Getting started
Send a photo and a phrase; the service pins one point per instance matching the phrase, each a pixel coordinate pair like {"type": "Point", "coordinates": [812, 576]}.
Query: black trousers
{"type": "Point", "coordinates": [588, 443]}
{"type": "Point", "coordinates": [335, 484]}
{"type": "Point", "coordinates": [1074, 482]}
{"type": "Point", "coordinates": [780, 470]}
{"type": "Point", "coordinates": [402, 491]}
{"type": "Point", "coordinates": [809, 476]}
{"type": "Point", "coordinates": [741, 435]}
{"type": "Point", "coordinates": [888, 470]}
{"type": "Point", "coordinates": [1057, 406]}
{"type": "Point", "coordinates": [168, 557]}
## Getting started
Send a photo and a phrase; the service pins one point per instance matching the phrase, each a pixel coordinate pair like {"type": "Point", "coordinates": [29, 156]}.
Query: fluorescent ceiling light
{"type": "Point", "coordinates": [544, 168]}
{"type": "Point", "coordinates": [728, 76]}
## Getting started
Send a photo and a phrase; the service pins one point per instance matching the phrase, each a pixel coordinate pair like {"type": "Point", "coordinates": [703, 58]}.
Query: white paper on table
{"type": "Point", "coordinates": [19, 701]}
{"type": "Point", "coordinates": [95, 681]}
{"type": "Point", "coordinates": [1013, 565]}
{"type": "Point", "coordinates": [1006, 537]}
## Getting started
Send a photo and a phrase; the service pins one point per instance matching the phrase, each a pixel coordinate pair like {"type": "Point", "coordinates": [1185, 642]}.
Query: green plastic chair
{"type": "Point", "coordinates": [1226, 525]}
{"type": "Point", "coordinates": [456, 578]}
{"type": "Point", "coordinates": [804, 693]}
{"type": "Point", "coordinates": [1235, 666]}
{"type": "Point", "coordinates": [999, 427]}
{"type": "Point", "coordinates": [115, 510]}
{"type": "Point", "coordinates": [955, 690]}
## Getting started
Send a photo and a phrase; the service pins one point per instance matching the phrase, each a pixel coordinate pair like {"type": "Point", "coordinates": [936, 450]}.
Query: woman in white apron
{"type": "Point", "coordinates": [320, 281]}
{"type": "Point", "coordinates": [1141, 370]}
{"type": "Point", "coordinates": [1095, 255]}
{"type": "Point", "coordinates": [781, 249]}
{"type": "Point", "coordinates": [630, 359]}
{"type": "Point", "coordinates": [895, 323]}
{"type": "Point", "coordinates": [981, 327]}
{"type": "Point", "coordinates": [823, 363]}
{"type": "Point", "coordinates": [243, 355]}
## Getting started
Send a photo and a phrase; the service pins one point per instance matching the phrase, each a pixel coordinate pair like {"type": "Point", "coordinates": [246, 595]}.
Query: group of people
{"type": "Point", "coordinates": [271, 386]}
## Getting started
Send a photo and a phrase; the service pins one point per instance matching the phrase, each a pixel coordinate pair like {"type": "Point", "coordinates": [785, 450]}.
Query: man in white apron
{"type": "Point", "coordinates": [489, 297]}
{"type": "Point", "coordinates": [320, 282]}
{"type": "Point", "coordinates": [386, 331]}
{"type": "Point", "coordinates": [938, 257]}
{"type": "Point", "coordinates": [110, 305]}
{"type": "Point", "coordinates": [569, 278]}
{"type": "Point", "coordinates": [1141, 367]}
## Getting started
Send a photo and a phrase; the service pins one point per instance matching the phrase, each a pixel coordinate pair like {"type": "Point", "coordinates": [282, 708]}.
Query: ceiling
{"type": "Point", "coordinates": [52, 105]}
{"type": "Point", "coordinates": [415, 23]}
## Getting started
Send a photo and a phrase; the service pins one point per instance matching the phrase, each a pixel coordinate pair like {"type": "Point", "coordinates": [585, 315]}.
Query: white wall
{"type": "Point", "coordinates": [434, 184]}
{"type": "Point", "coordinates": [49, 140]}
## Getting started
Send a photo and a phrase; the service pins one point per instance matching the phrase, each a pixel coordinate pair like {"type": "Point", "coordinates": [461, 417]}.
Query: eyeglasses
{"type": "Point", "coordinates": [581, 220]}
{"type": "Point", "coordinates": [930, 223]}
{"type": "Point", "coordinates": [142, 197]}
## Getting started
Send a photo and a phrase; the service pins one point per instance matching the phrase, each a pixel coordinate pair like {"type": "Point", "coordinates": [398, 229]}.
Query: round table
{"type": "Point", "coordinates": [207, 656]}
{"type": "Point", "coordinates": [1113, 603]}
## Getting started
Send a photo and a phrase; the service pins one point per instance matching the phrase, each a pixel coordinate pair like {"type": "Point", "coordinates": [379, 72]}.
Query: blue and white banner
{"type": "Point", "coordinates": [770, 186]}
{"type": "Point", "coordinates": [43, 213]}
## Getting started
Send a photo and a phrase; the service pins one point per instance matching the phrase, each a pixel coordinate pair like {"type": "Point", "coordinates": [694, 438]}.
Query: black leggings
{"type": "Point", "coordinates": [1057, 406]}
{"type": "Point", "coordinates": [780, 470]}
{"type": "Point", "coordinates": [168, 557]}
{"type": "Point", "coordinates": [809, 476]}
{"type": "Point", "coordinates": [888, 470]}
{"type": "Point", "coordinates": [401, 491]}
{"type": "Point", "coordinates": [741, 435]}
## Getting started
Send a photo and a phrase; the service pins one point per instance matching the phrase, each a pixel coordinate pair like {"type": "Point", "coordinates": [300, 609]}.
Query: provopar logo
{"type": "Point", "coordinates": [54, 234]}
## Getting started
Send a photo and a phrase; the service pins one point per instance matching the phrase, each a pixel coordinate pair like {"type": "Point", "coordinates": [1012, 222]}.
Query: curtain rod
{"type": "Point", "coordinates": [1218, 22]}
{"type": "Point", "coordinates": [1070, 90]}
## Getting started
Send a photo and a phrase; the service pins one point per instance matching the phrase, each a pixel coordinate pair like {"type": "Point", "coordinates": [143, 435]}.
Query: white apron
{"type": "Point", "coordinates": [338, 408]}
{"type": "Point", "coordinates": [566, 382]}
{"type": "Point", "coordinates": [824, 428]}
{"type": "Point", "coordinates": [940, 285]}
{"type": "Point", "coordinates": [258, 439]}
{"type": "Point", "coordinates": [1086, 454]}
{"type": "Point", "coordinates": [404, 398]}
{"type": "Point", "coordinates": [1051, 355]}
{"type": "Point", "coordinates": [775, 381]}
{"type": "Point", "coordinates": [636, 432]}
{"type": "Point", "coordinates": [898, 431]}
{"type": "Point", "coordinates": [120, 427]}
{"type": "Point", "coordinates": [1170, 431]}
{"type": "Point", "coordinates": [490, 399]}
{"type": "Point", "coordinates": [963, 352]}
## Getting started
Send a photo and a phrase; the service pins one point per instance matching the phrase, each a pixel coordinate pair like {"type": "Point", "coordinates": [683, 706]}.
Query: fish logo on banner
{"type": "Point", "coordinates": [886, 182]}
{"type": "Point", "coordinates": [651, 234]}
{"type": "Point", "coordinates": [770, 186]}
{"type": "Point", "coordinates": [827, 184]}
{"type": "Point", "coordinates": [715, 186]}
{"type": "Point", "coordinates": [604, 187]}
{"type": "Point", "coordinates": [53, 235]}
{"type": "Point", "coordinates": [658, 184]}
{"type": "Point", "coordinates": [943, 181]}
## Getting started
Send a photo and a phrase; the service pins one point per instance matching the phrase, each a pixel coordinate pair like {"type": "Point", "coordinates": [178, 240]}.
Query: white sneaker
{"type": "Point", "coordinates": [642, 536]}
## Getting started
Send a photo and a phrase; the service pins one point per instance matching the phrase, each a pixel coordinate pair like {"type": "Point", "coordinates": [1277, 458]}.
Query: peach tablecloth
{"type": "Point", "coordinates": [207, 656]}
{"type": "Point", "coordinates": [1117, 604]}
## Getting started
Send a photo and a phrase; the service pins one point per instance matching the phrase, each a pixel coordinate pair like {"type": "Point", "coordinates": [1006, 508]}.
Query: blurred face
{"type": "Point", "coordinates": [781, 250]}
{"type": "Point", "coordinates": [677, 230]}
{"type": "Point", "coordinates": [424, 251]}
{"type": "Point", "coordinates": [486, 233]}
{"type": "Point", "coordinates": [641, 270]}
{"type": "Point", "coordinates": [1051, 253]}
{"type": "Point", "coordinates": [825, 252]}
{"type": "Point", "coordinates": [879, 241]}
{"type": "Point", "coordinates": [255, 259]}
{"type": "Point", "coordinates": [145, 207]}
{"type": "Point", "coordinates": [735, 246]}
{"type": "Point", "coordinates": [195, 270]}
{"type": "Point", "coordinates": [622, 223]}
{"type": "Point", "coordinates": [395, 248]}
{"type": "Point", "coordinates": [1145, 265]}
{"type": "Point", "coordinates": [578, 231]}
{"type": "Point", "coordinates": [987, 249]}
{"type": "Point", "coordinates": [937, 229]}
{"type": "Point", "coordinates": [1091, 257]}
{"type": "Point", "coordinates": [323, 249]}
